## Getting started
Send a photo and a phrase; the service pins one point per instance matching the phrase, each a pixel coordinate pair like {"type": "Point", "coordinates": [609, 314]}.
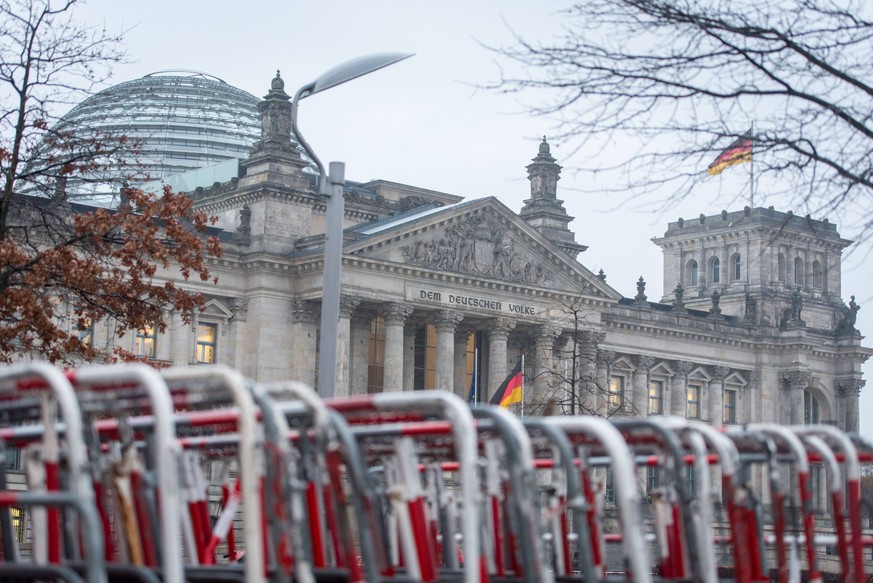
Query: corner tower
{"type": "Point", "coordinates": [766, 266]}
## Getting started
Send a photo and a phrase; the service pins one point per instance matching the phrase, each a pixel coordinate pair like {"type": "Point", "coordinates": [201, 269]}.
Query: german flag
{"type": "Point", "coordinates": [738, 152]}
{"type": "Point", "coordinates": [510, 391]}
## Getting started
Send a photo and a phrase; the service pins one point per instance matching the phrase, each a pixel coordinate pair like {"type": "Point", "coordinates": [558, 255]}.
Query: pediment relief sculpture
{"type": "Point", "coordinates": [478, 246]}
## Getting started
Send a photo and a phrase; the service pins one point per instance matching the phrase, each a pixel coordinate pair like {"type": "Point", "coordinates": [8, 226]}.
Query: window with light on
{"type": "Point", "coordinates": [206, 340]}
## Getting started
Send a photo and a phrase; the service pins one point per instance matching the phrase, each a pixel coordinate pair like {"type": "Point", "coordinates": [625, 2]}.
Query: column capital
{"type": "Point", "coordinates": [720, 373]}
{"type": "Point", "coordinates": [305, 311]}
{"type": "Point", "coordinates": [851, 387]}
{"type": "Point", "coordinates": [591, 337]}
{"type": "Point", "coordinates": [546, 334]}
{"type": "Point", "coordinates": [753, 379]}
{"type": "Point", "coordinates": [500, 327]}
{"type": "Point", "coordinates": [645, 362]}
{"type": "Point", "coordinates": [395, 312]}
{"type": "Point", "coordinates": [239, 307]}
{"type": "Point", "coordinates": [796, 379]}
{"type": "Point", "coordinates": [683, 367]}
{"type": "Point", "coordinates": [447, 320]}
{"type": "Point", "coordinates": [605, 356]}
{"type": "Point", "coordinates": [348, 304]}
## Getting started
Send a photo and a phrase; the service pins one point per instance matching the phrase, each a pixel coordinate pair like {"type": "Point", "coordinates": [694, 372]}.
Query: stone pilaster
{"type": "Point", "coordinates": [678, 388]}
{"type": "Point", "coordinates": [498, 334]}
{"type": "Point", "coordinates": [304, 326]}
{"type": "Point", "coordinates": [795, 383]}
{"type": "Point", "coordinates": [348, 304]}
{"type": "Point", "coordinates": [850, 393]}
{"type": "Point", "coordinates": [716, 395]}
{"type": "Point", "coordinates": [462, 336]}
{"type": "Point", "coordinates": [604, 364]}
{"type": "Point", "coordinates": [408, 357]}
{"type": "Point", "coordinates": [446, 321]}
{"type": "Point", "coordinates": [640, 390]}
{"type": "Point", "coordinates": [394, 315]}
{"type": "Point", "coordinates": [544, 348]}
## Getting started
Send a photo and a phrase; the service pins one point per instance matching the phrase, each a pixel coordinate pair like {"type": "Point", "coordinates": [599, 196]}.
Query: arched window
{"type": "Point", "coordinates": [816, 274]}
{"type": "Point", "coordinates": [798, 271]}
{"type": "Point", "coordinates": [780, 271]}
{"type": "Point", "coordinates": [692, 272]}
{"type": "Point", "coordinates": [715, 270]}
{"type": "Point", "coordinates": [736, 267]}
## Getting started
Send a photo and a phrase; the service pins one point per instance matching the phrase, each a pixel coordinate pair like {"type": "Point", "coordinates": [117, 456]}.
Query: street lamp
{"type": "Point", "coordinates": [331, 184]}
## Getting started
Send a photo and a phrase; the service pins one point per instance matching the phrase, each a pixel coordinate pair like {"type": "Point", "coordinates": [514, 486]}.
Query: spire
{"type": "Point", "coordinates": [543, 210]}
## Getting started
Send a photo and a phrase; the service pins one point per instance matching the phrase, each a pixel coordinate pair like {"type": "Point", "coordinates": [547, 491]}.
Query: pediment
{"type": "Point", "coordinates": [481, 240]}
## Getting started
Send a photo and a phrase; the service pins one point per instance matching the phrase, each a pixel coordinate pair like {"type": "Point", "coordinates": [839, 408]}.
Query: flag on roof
{"type": "Point", "coordinates": [738, 152]}
{"type": "Point", "coordinates": [510, 390]}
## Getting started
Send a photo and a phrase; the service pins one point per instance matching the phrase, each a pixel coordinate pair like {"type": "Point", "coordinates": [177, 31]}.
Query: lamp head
{"type": "Point", "coordinates": [354, 68]}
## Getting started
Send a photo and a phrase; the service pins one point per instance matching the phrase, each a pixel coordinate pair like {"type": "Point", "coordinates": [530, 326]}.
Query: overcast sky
{"type": "Point", "coordinates": [423, 121]}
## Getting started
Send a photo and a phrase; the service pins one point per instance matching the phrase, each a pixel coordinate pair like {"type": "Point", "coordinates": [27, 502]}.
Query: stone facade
{"type": "Point", "coordinates": [751, 326]}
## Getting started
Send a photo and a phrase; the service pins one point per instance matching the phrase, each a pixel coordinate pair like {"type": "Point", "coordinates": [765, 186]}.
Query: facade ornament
{"type": "Point", "coordinates": [305, 311]}
{"type": "Point", "coordinates": [348, 304]}
{"type": "Point", "coordinates": [797, 379]}
{"type": "Point", "coordinates": [601, 276]}
{"type": "Point", "coordinates": [397, 312]}
{"type": "Point", "coordinates": [751, 311]}
{"type": "Point", "coordinates": [244, 229]}
{"type": "Point", "coordinates": [240, 308]}
{"type": "Point", "coordinates": [605, 356]}
{"type": "Point", "coordinates": [678, 298]}
{"type": "Point", "coordinates": [641, 298]}
{"type": "Point", "coordinates": [753, 378]}
{"type": "Point", "coordinates": [849, 316]}
{"type": "Point", "coordinates": [479, 246]}
{"type": "Point", "coordinates": [714, 309]}
{"type": "Point", "coordinates": [720, 372]}
{"type": "Point", "coordinates": [792, 316]}
{"type": "Point", "coordinates": [500, 328]}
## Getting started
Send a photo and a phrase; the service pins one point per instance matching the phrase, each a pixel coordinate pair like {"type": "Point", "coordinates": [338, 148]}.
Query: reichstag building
{"type": "Point", "coordinates": [751, 325]}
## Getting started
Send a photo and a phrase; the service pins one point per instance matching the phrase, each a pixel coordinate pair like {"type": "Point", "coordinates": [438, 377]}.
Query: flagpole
{"type": "Point", "coordinates": [522, 385]}
{"type": "Point", "coordinates": [752, 169]}
{"type": "Point", "coordinates": [475, 383]}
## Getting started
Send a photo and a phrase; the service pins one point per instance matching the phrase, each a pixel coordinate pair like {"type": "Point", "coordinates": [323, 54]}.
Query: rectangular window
{"type": "Point", "coordinates": [616, 392]}
{"type": "Point", "coordinates": [376, 358]}
{"type": "Point", "coordinates": [609, 490]}
{"type": "Point", "coordinates": [207, 335]}
{"type": "Point", "coordinates": [690, 484]}
{"type": "Point", "coordinates": [86, 333]}
{"type": "Point", "coordinates": [146, 343]}
{"type": "Point", "coordinates": [656, 397]}
{"type": "Point", "coordinates": [692, 405]}
{"type": "Point", "coordinates": [653, 479]}
{"type": "Point", "coordinates": [730, 406]}
{"type": "Point", "coordinates": [425, 358]}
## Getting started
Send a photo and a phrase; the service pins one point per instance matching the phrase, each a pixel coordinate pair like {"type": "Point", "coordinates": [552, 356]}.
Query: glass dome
{"type": "Point", "coordinates": [177, 120]}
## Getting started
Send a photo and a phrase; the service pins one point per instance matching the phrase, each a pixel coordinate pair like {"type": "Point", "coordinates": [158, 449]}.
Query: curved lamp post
{"type": "Point", "coordinates": [331, 184]}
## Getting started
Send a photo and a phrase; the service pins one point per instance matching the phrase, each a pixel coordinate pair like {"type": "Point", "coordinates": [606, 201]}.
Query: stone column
{"type": "Point", "coordinates": [409, 358]}
{"type": "Point", "coordinates": [640, 390]}
{"type": "Point", "coordinates": [716, 395]}
{"type": "Point", "coordinates": [543, 378]}
{"type": "Point", "coordinates": [604, 362]}
{"type": "Point", "coordinates": [586, 372]}
{"type": "Point", "coordinates": [343, 343]}
{"type": "Point", "coordinates": [497, 366]}
{"type": "Point", "coordinates": [240, 308]}
{"type": "Point", "coordinates": [678, 386]}
{"type": "Point", "coordinates": [394, 314]}
{"type": "Point", "coordinates": [360, 330]}
{"type": "Point", "coordinates": [179, 341]}
{"type": "Point", "coordinates": [304, 327]}
{"type": "Point", "coordinates": [461, 386]}
{"type": "Point", "coordinates": [795, 382]}
{"type": "Point", "coordinates": [850, 391]}
{"type": "Point", "coordinates": [751, 412]}
{"type": "Point", "coordinates": [445, 322]}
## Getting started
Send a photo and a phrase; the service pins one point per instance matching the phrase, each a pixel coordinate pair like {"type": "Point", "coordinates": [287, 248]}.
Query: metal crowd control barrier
{"type": "Point", "coordinates": [139, 475]}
